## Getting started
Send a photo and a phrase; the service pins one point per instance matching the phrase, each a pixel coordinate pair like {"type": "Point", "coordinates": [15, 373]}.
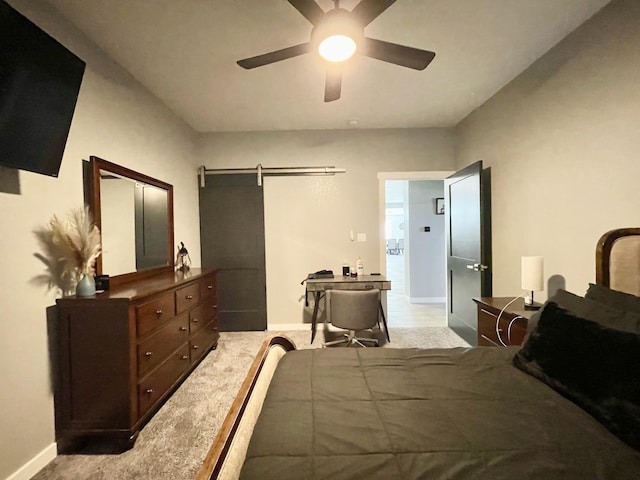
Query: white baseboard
{"type": "Point", "coordinates": [427, 299]}
{"type": "Point", "coordinates": [286, 327]}
{"type": "Point", "coordinates": [36, 464]}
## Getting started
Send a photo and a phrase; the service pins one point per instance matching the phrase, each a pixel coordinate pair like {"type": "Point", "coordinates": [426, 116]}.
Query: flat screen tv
{"type": "Point", "coordinates": [39, 84]}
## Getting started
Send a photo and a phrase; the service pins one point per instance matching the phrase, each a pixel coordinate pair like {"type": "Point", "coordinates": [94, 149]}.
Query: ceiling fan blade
{"type": "Point", "coordinates": [309, 10]}
{"type": "Point", "coordinates": [367, 10]}
{"type": "Point", "coordinates": [275, 56]}
{"type": "Point", "coordinates": [333, 84]}
{"type": "Point", "coordinates": [398, 54]}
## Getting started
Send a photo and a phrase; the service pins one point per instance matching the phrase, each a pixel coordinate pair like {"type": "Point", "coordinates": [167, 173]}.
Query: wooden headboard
{"type": "Point", "coordinates": [618, 260]}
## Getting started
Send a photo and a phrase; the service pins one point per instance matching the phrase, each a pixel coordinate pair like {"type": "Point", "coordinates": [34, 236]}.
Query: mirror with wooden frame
{"type": "Point", "coordinates": [134, 213]}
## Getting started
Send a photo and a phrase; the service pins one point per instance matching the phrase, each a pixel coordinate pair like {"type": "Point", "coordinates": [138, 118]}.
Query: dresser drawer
{"type": "Point", "coordinates": [151, 314]}
{"type": "Point", "coordinates": [156, 347]}
{"type": "Point", "coordinates": [155, 385]}
{"type": "Point", "coordinates": [187, 297]}
{"type": "Point", "coordinates": [201, 342]}
{"type": "Point", "coordinates": [208, 287]}
{"type": "Point", "coordinates": [200, 316]}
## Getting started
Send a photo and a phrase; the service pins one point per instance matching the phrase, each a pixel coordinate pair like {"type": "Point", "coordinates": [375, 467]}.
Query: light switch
{"type": "Point", "coordinates": [362, 237]}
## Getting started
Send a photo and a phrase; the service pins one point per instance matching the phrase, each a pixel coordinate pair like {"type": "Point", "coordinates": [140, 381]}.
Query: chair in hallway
{"type": "Point", "coordinates": [392, 246]}
{"type": "Point", "coordinates": [353, 310]}
{"type": "Point", "coordinates": [401, 246]}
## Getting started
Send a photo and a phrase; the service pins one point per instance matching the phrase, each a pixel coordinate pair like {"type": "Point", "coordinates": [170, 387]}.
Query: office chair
{"type": "Point", "coordinates": [352, 310]}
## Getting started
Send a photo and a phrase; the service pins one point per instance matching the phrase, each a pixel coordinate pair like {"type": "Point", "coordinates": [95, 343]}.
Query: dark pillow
{"type": "Point", "coordinates": [614, 298]}
{"type": "Point", "coordinates": [589, 309]}
{"type": "Point", "coordinates": [596, 367]}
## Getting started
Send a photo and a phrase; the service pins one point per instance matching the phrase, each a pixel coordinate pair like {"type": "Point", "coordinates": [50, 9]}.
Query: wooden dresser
{"type": "Point", "coordinates": [123, 352]}
{"type": "Point", "coordinates": [512, 326]}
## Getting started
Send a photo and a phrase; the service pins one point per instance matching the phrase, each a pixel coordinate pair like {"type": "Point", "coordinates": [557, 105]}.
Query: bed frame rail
{"type": "Point", "coordinates": [214, 461]}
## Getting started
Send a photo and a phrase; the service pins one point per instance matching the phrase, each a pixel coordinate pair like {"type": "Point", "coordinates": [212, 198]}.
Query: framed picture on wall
{"type": "Point", "coordinates": [439, 206]}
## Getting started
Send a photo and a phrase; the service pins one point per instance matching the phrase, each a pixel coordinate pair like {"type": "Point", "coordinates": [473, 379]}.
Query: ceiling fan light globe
{"type": "Point", "coordinates": [337, 48]}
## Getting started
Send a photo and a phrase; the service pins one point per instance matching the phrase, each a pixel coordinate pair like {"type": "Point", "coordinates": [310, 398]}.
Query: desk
{"type": "Point", "coordinates": [342, 282]}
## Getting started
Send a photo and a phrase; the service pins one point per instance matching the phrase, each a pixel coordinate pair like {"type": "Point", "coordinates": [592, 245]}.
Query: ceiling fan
{"type": "Point", "coordinates": [337, 35]}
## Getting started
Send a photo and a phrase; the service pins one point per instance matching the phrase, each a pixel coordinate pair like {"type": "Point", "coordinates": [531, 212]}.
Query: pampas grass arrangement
{"type": "Point", "coordinates": [70, 248]}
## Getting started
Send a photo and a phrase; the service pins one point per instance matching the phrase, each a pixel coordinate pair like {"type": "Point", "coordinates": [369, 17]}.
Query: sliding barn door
{"type": "Point", "coordinates": [232, 241]}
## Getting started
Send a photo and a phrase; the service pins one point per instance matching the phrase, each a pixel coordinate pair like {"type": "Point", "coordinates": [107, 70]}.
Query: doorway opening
{"type": "Point", "coordinates": [413, 254]}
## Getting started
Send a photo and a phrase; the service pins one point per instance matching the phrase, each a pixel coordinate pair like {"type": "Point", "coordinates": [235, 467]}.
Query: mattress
{"type": "Point", "coordinates": [385, 413]}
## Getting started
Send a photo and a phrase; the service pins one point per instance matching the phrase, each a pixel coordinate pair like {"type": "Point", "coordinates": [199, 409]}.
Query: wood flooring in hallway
{"type": "Point", "coordinates": [400, 312]}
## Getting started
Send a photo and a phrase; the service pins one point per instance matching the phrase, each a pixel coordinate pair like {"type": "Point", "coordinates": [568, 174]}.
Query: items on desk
{"type": "Point", "coordinates": [311, 276]}
{"type": "Point", "coordinates": [359, 267]}
{"type": "Point", "coordinates": [320, 274]}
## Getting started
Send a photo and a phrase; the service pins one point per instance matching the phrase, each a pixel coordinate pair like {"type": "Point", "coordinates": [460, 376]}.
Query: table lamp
{"type": "Point", "coordinates": [532, 269]}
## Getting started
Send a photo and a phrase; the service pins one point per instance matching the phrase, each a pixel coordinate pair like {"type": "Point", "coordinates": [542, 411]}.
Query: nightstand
{"type": "Point", "coordinates": [513, 322]}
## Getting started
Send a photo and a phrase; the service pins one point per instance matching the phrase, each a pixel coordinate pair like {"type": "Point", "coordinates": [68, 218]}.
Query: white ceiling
{"type": "Point", "coordinates": [184, 51]}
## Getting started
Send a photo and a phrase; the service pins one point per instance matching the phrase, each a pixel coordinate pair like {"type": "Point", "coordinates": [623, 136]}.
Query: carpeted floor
{"type": "Point", "coordinates": [174, 442]}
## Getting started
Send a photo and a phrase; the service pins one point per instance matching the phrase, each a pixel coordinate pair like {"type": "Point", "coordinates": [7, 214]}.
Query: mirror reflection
{"type": "Point", "coordinates": [134, 225]}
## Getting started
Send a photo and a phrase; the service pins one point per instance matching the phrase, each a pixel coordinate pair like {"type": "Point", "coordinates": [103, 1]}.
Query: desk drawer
{"type": "Point", "coordinates": [154, 313]}
{"type": "Point", "coordinates": [384, 285]}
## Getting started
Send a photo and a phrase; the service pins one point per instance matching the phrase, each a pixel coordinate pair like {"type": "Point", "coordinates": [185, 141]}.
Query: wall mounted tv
{"type": "Point", "coordinates": [39, 84]}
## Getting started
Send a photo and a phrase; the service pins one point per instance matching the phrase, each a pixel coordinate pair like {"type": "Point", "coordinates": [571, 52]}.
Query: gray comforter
{"type": "Point", "coordinates": [384, 413]}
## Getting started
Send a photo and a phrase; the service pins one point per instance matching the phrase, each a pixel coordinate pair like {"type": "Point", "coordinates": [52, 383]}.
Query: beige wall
{"type": "Point", "coordinates": [563, 144]}
{"type": "Point", "coordinates": [308, 220]}
{"type": "Point", "coordinates": [117, 120]}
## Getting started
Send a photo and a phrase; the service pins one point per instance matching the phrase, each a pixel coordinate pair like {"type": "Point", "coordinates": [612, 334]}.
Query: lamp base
{"type": "Point", "coordinates": [530, 303]}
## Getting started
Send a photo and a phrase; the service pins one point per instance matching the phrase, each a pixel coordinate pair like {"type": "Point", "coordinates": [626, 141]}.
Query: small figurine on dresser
{"type": "Point", "coordinates": [183, 261]}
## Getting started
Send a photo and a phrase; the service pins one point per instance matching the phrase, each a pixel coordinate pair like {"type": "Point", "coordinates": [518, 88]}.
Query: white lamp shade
{"type": "Point", "coordinates": [533, 274]}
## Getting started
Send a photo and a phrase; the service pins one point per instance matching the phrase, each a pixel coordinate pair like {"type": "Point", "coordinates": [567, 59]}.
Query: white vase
{"type": "Point", "coordinates": [86, 286]}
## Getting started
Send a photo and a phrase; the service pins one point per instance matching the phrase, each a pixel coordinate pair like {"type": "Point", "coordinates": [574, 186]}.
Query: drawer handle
{"type": "Point", "coordinates": [158, 312]}
{"type": "Point", "coordinates": [195, 347]}
{"type": "Point", "coordinates": [215, 306]}
{"type": "Point", "coordinates": [149, 391]}
{"type": "Point", "coordinates": [183, 329]}
{"type": "Point", "coordinates": [195, 320]}
{"type": "Point", "coordinates": [189, 297]}
{"type": "Point", "coordinates": [148, 354]}
{"type": "Point", "coordinates": [185, 357]}
{"type": "Point", "coordinates": [210, 287]}
{"type": "Point", "coordinates": [368, 287]}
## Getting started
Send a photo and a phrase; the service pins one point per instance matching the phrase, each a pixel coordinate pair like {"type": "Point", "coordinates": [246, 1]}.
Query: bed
{"type": "Point", "coordinates": [564, 405]}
